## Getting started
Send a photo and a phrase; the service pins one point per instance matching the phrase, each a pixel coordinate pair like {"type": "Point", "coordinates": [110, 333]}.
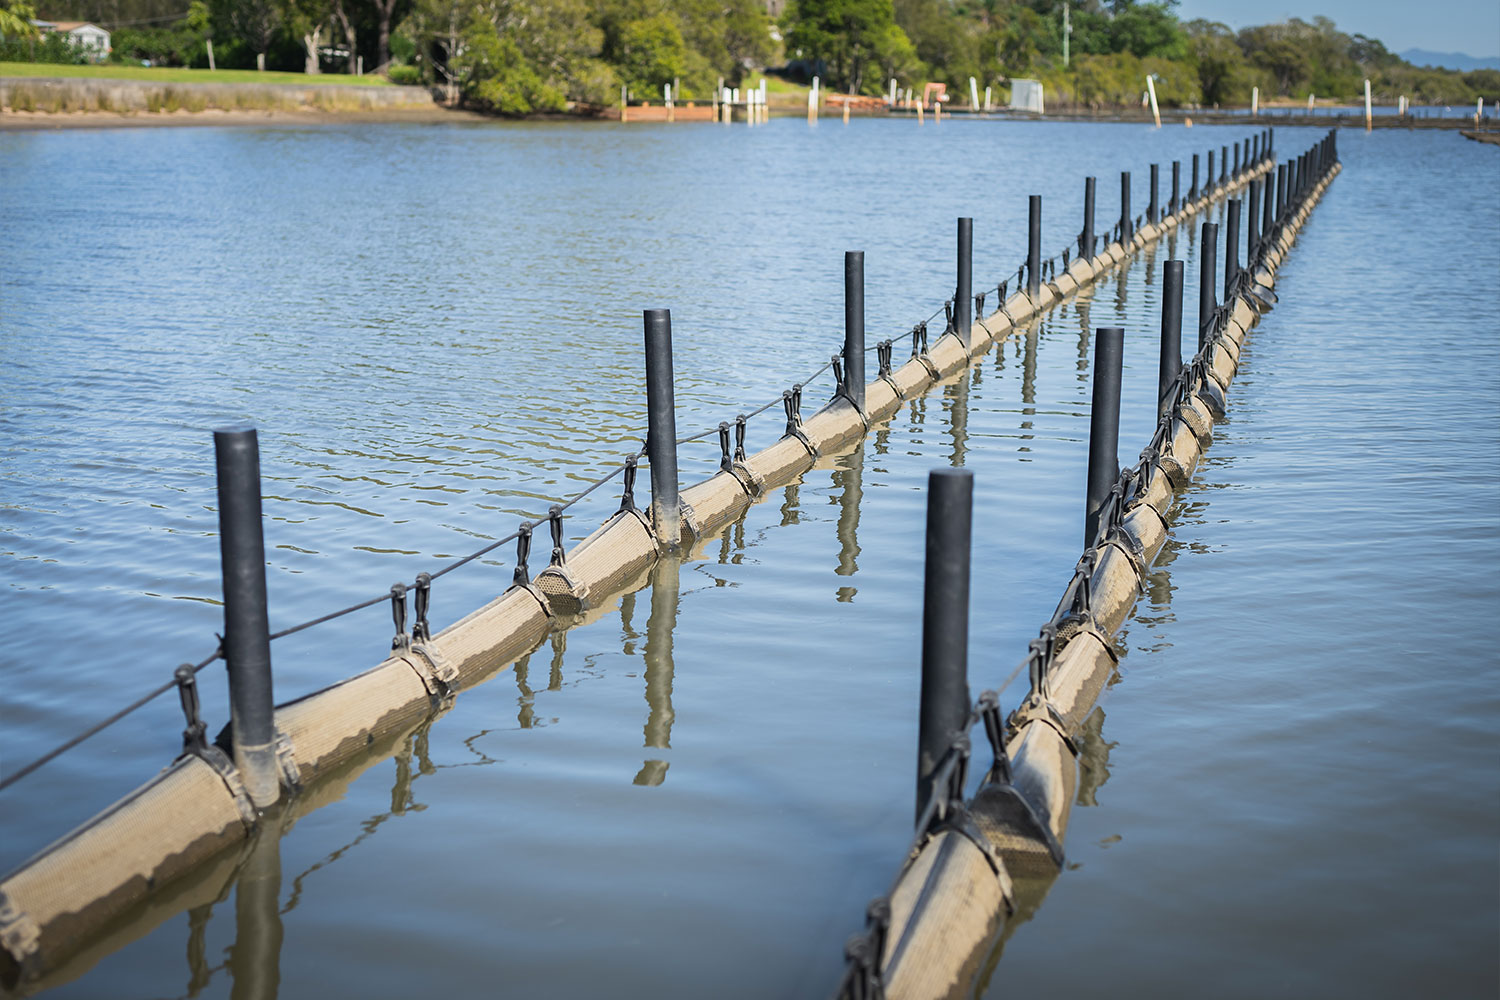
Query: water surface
{"type": "Point", "coordinates": [437, 331]}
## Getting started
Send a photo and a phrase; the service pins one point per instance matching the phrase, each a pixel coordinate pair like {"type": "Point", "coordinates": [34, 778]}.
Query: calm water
{"type": "Point", "coordinates": [437, 330]}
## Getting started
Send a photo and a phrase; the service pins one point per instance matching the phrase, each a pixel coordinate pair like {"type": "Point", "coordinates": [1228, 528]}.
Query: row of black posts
{"type": "Point", "coordinates": [246, 643]}
{"type": "Point", "coordinates": [944, 712]}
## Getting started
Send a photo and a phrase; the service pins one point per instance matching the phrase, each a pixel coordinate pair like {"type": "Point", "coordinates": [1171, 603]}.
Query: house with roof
{"type": "Point", "coordinates": [82, 35]}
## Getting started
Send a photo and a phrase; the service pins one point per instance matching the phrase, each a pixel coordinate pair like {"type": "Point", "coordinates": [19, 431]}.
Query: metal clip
{"type": "Point", "coordinates": [627, 496]}
{"type": "Point", "coordinates": [739, 437]}
{"type": "Point", "coordinates": [1067, 255]}
{"type": "Point", "coordinates": [726, 462]}
{"type": "Point", "coordinates": [193, 740]}
{"type": "Point", "coordinates": [555, 519]}
{"type": "Point", "coordinates": [994, 728]}
{"type": "Point", "coordinates": [522, 576]}
{"type": "Point", "coordinates": [420, 632]}
{"type": "Point", "coordinates": [841, 388]}
{"type": "Point", "coordinates": [919, 339]}
{"type": "Point", "coordinates": [398, 614]}
{"type": "Point", "coordinates": [948, 314]}
{"type": "Point", "coordinates": [883, 358]}
{"type": "Point", "coordinates": [979, 304]}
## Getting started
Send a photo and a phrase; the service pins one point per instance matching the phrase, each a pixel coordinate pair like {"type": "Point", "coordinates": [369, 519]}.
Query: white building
{"type": "Point", "coordinates": [83, 35]}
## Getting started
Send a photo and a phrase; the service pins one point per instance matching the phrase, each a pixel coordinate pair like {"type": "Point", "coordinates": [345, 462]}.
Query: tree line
{"type": "Point", "coordinates": [525, 56]}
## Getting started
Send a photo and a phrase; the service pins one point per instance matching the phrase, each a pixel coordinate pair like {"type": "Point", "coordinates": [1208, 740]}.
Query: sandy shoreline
{"type": "Point", "coordinates": [11, 121]}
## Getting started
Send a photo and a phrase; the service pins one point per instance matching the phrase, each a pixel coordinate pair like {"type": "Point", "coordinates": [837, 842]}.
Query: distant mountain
{"type": "Point", "coordinates": [1448, 60]}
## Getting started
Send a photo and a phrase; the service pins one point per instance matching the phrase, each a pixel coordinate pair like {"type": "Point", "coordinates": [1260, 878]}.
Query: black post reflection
{"type": "Point", "coordinates": [527, 697]}
{"type": "Point", "coordinates": [659, 667]}
{"type": "Point", "coordinates": [1093, 758]}
{"type": "Point", "coordinates": [199, 973]}
{"type": "Point", "coordinates": [958, 420]}
{"type": "Point", "coordinates": [628, 634]}
{"type": "Point", "coordinates": [255, 956]}
{"type": "Point", "coordinates": [791, 511]}
{"type": "Point", "coordinates": [1122, 283]}
{"type": "Point", "coordinates": [1028, 385]}
{"type": "Point", "coordinates": [849, 479]}
{"type": "Point", "coordinates": [559, 649]}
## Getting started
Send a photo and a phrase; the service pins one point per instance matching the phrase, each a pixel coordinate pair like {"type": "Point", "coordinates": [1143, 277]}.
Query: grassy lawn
{"type": "Point", "coordinates": [162, 74]}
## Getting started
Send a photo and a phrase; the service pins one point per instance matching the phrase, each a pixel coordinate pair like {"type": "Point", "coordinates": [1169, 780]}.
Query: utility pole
{"type": "Point", "coordinates": [1067, 30]}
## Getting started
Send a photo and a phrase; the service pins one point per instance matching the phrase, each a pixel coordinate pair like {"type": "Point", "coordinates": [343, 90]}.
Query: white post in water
{"type": "Point", "coordinates": [1369, 119]}
{"type": "Point", "coordinates": [986, 98]}
{"type": "Point", "coordinates": [666, 94]}
{"type": "Point", "coordinates": [812, 102]}
{"type": "Point", "coordinates": [1309, 101]}
{"type": "Point", "coordinates": [765, 105]}
{"type": "Point", "coordinates": [973, 94]}
{"type": "Point", "coordinates": [895, 89]}
{"type": "Point", "coordinates": [846, 111]}
{"type": "Point", "coordinates": [1478, 110]}
{"type": "Point", "coordinates": [1254, 102]}
{"type": "Point", "coordinates": [1151, 89]}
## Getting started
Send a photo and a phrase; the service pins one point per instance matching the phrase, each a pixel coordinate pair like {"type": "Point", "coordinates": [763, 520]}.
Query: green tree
{"type": "Point", "coordinates": [847, 35]}
{"type": "Point", "coordinates": [651, 55]}
{"type": "Point", "coordinates": [15, 19]}
{"type": "Point", "coordinates": [1218, 60]}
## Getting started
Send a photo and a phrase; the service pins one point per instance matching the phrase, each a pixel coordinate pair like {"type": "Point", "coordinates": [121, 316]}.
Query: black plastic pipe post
{"type": "Point", "coordinates": [1208, 264]}
{"type": "Point", "coordinates": [1125, 226]}
{"type": "Point", "coordinates": [247, 627]}
{"type": "Point", "coordinates": [1087, 250]}
{"type": "Point", "coordinates": [1152, 210]}
{"type": "Point", "coordinates": [1034, 245]}
{"type": "Point", "coordinates": [1270, 142]}
{"type": "Point", "coordinates": [1255, 149]}
{"type": "Point", "coordinates": [963, 308]}
{"type": "Point", "coordinates": [944, 711]}
{"type": "Point", "coordinates": [1223, 164]}
{"type": "Point", "coordinates": [1193, 191]}
{"type": "Point", "coordinates": [1232, 246]}
{"type": "Point", "coordinates": [1171, 331]}
{"type": "Point", "coordinates": [1280, 191]}
{"type": "Point", "coordinates": [1268, 206]}
{"type": "Point", "coordinates": [854, 321]}
{"type": "Point", "coordinates": [1236, 160]}
{"type": "Point", "coordinates": [1176, 205]}
{"type": "Point", "coordinates": [1208, 176]}
{"type": "Point", "coordinates": [1104, 426]}
{"type": "Point", "coordinates": [661, 428]}
{"type": "Point", "coordinates": [1252, 222]}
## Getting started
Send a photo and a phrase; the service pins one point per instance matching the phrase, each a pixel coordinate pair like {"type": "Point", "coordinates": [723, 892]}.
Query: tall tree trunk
{"type": "Point", "coordinates": [311, 41]}
{"type": "Point", "coordinates": [344, 22]}
{"type": "Point", "coordinates": [385, 8]}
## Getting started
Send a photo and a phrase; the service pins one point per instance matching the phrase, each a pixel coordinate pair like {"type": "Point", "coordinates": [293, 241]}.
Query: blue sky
{"type": "Point", "coordinates": [1471, 26]}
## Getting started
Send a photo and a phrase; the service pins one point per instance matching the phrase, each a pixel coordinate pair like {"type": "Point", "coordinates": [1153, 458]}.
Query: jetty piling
{"type": "Point", "coordinates": [1208, 173]}
{"type": "Point", "coordinates": [247, 629]}
{"type": "Point", "coordinates": [853, 386]}
{"type": "Point", "coordinates": [963, 296]}
{"type": "Point", "coordinates": [1208, 266]}
{"type": "Point", "coordinates": [1126, 230]}
{"type": "Point", "coordinates": [1171, 333]}
{"type": "Point", "coordinates": [661, 432]}
{"type": "Point", "coordinates": [1034, 246]}
{"type": "Point", "coordinates": [1176, 202]}
{"type": "Point", "coordinates": [1232, 247]}
{"type": "Point", "coordinates": [1086, 246]}
{"type": "Point", "coordinates": [944, 704]}
{"type": "Point", "coordinates": [1153, 214]}
{"type": "Point", "coordinates": [1193, 191]}
{"type": "Point", "coordinates": [1104, 425]}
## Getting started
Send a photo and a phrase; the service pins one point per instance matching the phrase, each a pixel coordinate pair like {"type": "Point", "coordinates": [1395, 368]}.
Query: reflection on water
{"type": "Point", "coordinates": [659, 668]}
{"type": "Point", "coordinates": [255, 956]}
{"type": "Point", "coordinates": [848, 476]}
